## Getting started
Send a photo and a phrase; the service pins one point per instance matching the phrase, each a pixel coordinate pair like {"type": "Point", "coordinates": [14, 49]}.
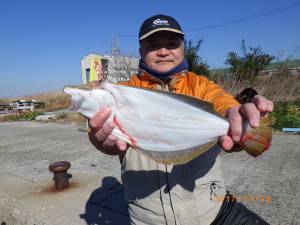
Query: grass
{"type": "Point", "coordinates": [286, 114]}
{"type": "Point", "coordinates": [282, 87]}
{"type": "Point", "coordinates": [64, 117]}
{"type": "Point", "coordinates": [29, 115]}
{"type": "Point", "coordinates": [70, 117]}
{"type": "Point", "coordinates": [53, 101]}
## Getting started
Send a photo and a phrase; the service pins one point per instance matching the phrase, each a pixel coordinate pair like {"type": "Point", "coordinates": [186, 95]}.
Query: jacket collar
{"type": "Point", "coordinates": [143, 75]}
{"type": "Point", "coordinates": [163, 75]}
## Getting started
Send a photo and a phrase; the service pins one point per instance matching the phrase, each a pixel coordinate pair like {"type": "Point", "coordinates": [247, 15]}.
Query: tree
{"type": "Point", "coordinates": [195, 62]}
{"type": "Point", "coordinates": [247, 67]}
{"type": "Point", "coordinates": [121, 66]}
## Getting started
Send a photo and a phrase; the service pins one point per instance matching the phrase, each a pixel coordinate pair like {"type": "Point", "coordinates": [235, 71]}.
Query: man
{"type": "Point", "coordinates": [182, 194]}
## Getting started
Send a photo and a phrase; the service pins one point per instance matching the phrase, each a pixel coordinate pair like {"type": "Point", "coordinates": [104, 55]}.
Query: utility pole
{"type": "Point", "coordinates": [115, 48]}
{"type": "Point", "coordinates": [244, 48]}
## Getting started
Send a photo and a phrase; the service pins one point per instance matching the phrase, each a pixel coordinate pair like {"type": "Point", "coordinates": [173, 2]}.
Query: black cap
{"type": "Point", "coordinates": [158, 23]}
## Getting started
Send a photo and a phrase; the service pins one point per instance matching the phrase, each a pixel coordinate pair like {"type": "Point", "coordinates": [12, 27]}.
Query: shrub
{"type": "Point", "coordinates": [286, 114]}
{"type": "Point", "coordinates": [29, 115]}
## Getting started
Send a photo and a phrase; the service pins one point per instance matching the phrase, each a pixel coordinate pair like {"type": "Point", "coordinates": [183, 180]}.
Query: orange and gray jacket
{"type": "Point", "coordinates": [176, 194]}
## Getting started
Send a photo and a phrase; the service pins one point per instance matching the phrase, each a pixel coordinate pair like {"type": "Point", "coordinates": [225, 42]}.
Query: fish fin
{"type": "Point", "coordinates": [257, 140]}
{"type": "Point", "coordinates": [89, 86]}
{"type": "Point", "coordinates": [177, 157]}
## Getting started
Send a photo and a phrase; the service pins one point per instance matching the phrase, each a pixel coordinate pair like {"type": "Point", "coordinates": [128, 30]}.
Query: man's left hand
{"type": "Point", "coordinates": [260, 106]}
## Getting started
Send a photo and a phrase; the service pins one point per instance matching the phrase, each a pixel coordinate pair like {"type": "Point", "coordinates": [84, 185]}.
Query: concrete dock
{"type": "Point", "coordinates": [96, 196]}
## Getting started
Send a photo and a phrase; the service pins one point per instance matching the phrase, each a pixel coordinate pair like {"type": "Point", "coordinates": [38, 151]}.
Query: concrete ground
{"type": "Point", "coordinates": [268, 185]}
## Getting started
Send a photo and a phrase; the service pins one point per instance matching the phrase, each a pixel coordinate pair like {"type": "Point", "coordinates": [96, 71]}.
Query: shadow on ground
{"type": "Point", "coordinates": [107, 205]}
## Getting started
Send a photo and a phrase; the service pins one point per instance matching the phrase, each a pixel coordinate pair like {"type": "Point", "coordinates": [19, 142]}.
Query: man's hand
{"type": "Point", "coordinates": [251, 112]}
{"type": "Point", "coordinates": [100, 134]}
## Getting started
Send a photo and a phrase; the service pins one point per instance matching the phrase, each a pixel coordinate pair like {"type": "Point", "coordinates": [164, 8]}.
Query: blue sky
{"type": "Point", "coordinates": [43, 41]}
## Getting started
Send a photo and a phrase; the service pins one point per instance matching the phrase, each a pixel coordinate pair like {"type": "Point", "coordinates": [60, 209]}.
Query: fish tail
{"type": "Point", "coordinates": [257, 140]}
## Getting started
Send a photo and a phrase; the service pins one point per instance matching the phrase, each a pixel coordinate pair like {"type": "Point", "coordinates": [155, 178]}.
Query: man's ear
{"type": "Point", "coordinates": [183, 44]}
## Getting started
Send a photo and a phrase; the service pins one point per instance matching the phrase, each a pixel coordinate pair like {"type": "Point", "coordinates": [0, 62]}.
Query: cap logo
{"type": "Point", "coordinates": [159, 22]}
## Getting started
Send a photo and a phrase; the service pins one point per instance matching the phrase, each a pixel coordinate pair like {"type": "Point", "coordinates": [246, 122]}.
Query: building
{"type": "Point", "coordinates": [112, 68]}
{"type": "Point", "coordinates": [23, 105]}
{"type": "Point", "coordinates": [6, 109]}
{"type": "Point", "coordinates": [20, 106]}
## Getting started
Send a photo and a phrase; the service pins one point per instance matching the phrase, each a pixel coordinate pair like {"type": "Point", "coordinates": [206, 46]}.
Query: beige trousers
{"type": "Point", "coordinates": [167, 194]}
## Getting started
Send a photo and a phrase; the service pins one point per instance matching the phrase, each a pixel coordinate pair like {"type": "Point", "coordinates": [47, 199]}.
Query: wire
{"type": "Point", "coordinates": [231, 22]}
{"type": "Point", "coordinates": [247, 18]}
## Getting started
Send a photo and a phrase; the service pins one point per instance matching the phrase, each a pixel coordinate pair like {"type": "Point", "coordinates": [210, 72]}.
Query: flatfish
{"type": "Point", "coordinates": [167, 127]}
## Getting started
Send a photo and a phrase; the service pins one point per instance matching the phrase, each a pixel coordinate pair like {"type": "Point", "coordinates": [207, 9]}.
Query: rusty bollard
{"type": "Point", "coordinates": [61, 177]}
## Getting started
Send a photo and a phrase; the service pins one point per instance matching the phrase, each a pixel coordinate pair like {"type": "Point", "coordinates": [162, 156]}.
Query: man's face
{"type": "Point", "coordinates": [162, 51]}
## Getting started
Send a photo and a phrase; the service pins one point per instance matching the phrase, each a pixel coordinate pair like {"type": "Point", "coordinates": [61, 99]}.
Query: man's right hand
{"type": "Point", "coordinates": [100, 134]}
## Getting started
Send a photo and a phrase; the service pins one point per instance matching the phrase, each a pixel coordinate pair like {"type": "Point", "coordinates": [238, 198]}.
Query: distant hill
{"type": "Point", "coordinates": [275, 65]}
{"type": "Point", "coordinates": [289, 63]}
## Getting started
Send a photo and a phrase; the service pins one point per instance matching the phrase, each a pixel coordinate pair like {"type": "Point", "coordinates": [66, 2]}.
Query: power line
{"type": "Point", "coordinates": [231, 22]}
{"type": "Point", "coordinates": [244, 19]}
